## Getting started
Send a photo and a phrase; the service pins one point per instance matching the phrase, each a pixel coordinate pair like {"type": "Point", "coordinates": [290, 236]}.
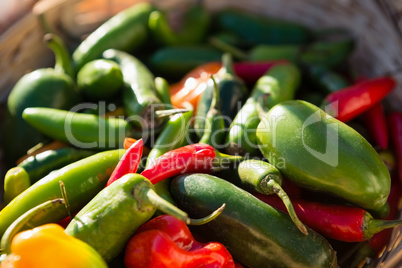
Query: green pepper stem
{"type": "Point", "coordinates": [215, 103]}
{"type": "Point", "coordinates": [208, 218]}
{"type": "Point", "coordinates": [63, 59]}
{"type": "Point", "coordinates": [375, 226]}
{"type": "Point", "coordinates": [219, 44]}
{"type": "Point", "coordinates": [272, 185]}
{"type": "Point", "coordinates": [64, 196]}
{"type": "Point", "coordinates": [165, 113]}
{"type": "Point", "coordinates": [221, 158]}
{"type": "Point", "coordinates": [19, 223]}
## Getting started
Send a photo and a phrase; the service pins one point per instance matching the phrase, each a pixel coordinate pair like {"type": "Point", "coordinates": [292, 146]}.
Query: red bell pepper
{"type": "Point", "coordinates": [128, 163]}
{"type": "Point", "coordinates": [395, 129]}
{"type": "Point", "coordinates": [167, 242]}
{"type": "Point", "coordinates": [376, 124]}
{"type": "Point", "coordinates": [192, 158]}
{"type": "Point", "coordinates": [343, 223]}
{"type": "Point", "coordinates": [347, 103]}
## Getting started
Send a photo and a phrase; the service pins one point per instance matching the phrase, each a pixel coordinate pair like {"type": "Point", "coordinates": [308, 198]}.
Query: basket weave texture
{"type": "Point", "coordinates": [377, 25]}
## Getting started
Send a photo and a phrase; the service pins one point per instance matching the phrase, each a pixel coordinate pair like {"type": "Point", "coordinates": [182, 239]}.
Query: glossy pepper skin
{"type": "Point", "coordinates": [268, 236]}
{"type": "Point", "coordinates": [347, 103]}
{"type": "Point", "coordinates": [114, 214]}
{"type": "Point", "coordinates": [46, 87]}
{"type": "Point", "coordinates": [82, 179]}
{"type": "Point", "coordinates": [344, 223]}
{"type": "Point", "coordinates": [125, 31]}
{"type": "Point", "coordinates": [318, 152]}
{"type": "Point", "coordinates": [196, 21]}
{"type": "Point", "coordinates": [278, 84]}
{"type": "Point", "coordinates": [48, 246]}
{"type": "Point", "coordinates": [166, 241]}
{"type": "Point", "coordinates": [231, 89]}
{"type": "Point", "coordinates": [78, 129]}
{"type": "Point", "coordinates": [29, 171]}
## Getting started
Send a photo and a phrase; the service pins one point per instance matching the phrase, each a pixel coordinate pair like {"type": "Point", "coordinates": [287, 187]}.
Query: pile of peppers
{"type": "Point", "coordinates": [225, 140]}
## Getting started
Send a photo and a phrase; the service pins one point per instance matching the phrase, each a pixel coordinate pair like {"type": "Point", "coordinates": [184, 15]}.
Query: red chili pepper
{"type": "Point", "coordinates": [250, 72]}
{"type": "Point", "coordinates": [347, 103]}
{"type": "Point", "coordinates": [395, 129]}
{"type": "Point", "coordinates": [187, 159]}
{"type": "Point", "coordinates": [344, 223]}
{"type": "Point", "coordinates": [167, 242]}
{"type": "Point", "coordinates": [128, 163]}
{"type": "Point", "coordinates": [376, 124]}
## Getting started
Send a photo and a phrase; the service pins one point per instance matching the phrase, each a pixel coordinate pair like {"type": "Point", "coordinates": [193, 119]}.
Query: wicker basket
{"type": "Point", "coordinates": [377, 25]}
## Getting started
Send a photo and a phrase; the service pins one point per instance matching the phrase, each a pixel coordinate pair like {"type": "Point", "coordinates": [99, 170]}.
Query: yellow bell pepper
{"type": "Point", "coordinates": [48, 246]}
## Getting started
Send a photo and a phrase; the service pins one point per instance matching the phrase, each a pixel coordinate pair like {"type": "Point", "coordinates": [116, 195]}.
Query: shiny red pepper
{"type": "Point", "coordinates": [395, 129]}
{"type": "Point", "coordinates": [167, 242]}
{"type": "Point", "coordinates": [192, 158]}
{"type": "Point", "coordinates": [347, 103]}
{"type": "Point", "coordinates": [128, 163]}
{"type": "Point", "coordinates": [376, 124]}
{"type": "Point", "coordinates": [343, 223]}
{"type": "Point", "coordinates": [250, 72]}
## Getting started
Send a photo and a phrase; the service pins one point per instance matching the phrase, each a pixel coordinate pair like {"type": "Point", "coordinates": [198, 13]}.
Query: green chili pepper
{"type": "Point", "coordinates": [100, 79]}
{"type": "Point", "coordinates": [125, 31]}
{"type": "Point", "coordinates": [29, 171]}
{"type": "Point", "coordinates": [255, 234]}
{"type": "Point", "coordinates": [257, 29]}
{"type": "Point", "coordinates": [264, 178]}
{"type": "Point", "coordinates": [173, 136]}
{"type": "Point", "coordinates": [278, 84]}
{"type": "Point", "coordinates": [47, 87]}
{"type": "Point", "coordinates": [86, 131]}
{"type": "Point", "coordinates": [194, 27]}
{"type": "Point", "coordinates": [176, 61]}
{"type": "Point", "coordinates": [162, 89]}
{"type": "Point", "coordinates": [117, 211]}
{"type": "Point", "coordinates": [320, 153]}
{"type": "Point", "coordinates": [231, 89]}
{"type": "Point", "coordinates": [139, 97]}
{"type": "Point", "coordinates": [214, 132]}
{"type": "Point", "coordinates": [82, 179]}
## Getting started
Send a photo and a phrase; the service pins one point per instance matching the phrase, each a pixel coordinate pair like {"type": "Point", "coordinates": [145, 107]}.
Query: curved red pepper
{"type": "Point", "coordinates": [167, 242]}
{"type": "Point", "coordinates": [187, 159]}
{"type": "Point", "coordinates": [395, 129]}
{"type": "Point", "coordinates": [376, 124]}
{"type": "Point", "coordinates": [347, 103]}
{"type": "Point", "coordinates": [344, 223]}
{"type": "Point", "coordinates": [128, 163]}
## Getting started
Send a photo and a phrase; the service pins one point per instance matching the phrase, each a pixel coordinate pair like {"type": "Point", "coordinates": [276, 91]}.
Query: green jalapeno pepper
{"type": "Point", "coordinates": [114, 214]}
{"type": "Point", "coordinates": [83, 179]}
{"type": "Point", "coordinates": [320, 153]}
{"type": "Point", "coordinates": [46, 87]}
{"type": "Point", "coordinates": [278, 84]}
{"type": "Point", "coordinates": [256, 234]}
{"type": "Point", "coordinates": [231, 89]}
{"type": "Point", "coordinates": [125, 31]}
{"type": "Point", "coordinates": [29, 171]}
{"type": "Point", "coordinates": [194, 27]}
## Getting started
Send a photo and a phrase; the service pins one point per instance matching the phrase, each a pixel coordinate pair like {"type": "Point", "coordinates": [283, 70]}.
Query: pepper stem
{"type": "Point", "coordinates": [208, 218]}
{"type": "Point", "coordinates": [64, 196]}
{"type": "Point", "coordinates": [272, 185]}
{"type": "Point", "coordinates": [222, 159]}
{"type": "Point", "coordinates": [165, 113]}
{"type": "Point", "coordinates": [63, 60]}
{"type": "Point", "coordinates": [227, 66]}
{"type": "Point", "coordinates": [375, 226]}
{"type": "Point", "coordinates": [150, 196]}
{"type": "Point", "coordinates": [20, 222]}
{"type": "Point", "coordinates": [219, 44]}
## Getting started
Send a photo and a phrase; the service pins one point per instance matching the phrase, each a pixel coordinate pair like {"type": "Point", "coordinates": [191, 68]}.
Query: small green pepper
{"type": "Point", "coordinates": [125, 31]}
{"type": "Point", "coordinates": [83, 179]}
{"type": "Point", "coordinates": [318, 152]}
{"type": "Point", "coordinates": [29, 171]}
